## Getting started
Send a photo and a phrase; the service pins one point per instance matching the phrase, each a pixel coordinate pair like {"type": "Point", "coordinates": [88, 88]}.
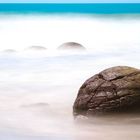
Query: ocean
{"type": "Point", "coordinates": [38, 87]}
{"type": "Point", "coordinates": [108, 8]}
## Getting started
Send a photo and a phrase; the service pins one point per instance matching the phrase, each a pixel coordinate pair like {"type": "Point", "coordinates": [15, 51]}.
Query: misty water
{"type": "Point", "coordinates": [38, 91]}
{"type": "Point", "coordinates": [38, 88]}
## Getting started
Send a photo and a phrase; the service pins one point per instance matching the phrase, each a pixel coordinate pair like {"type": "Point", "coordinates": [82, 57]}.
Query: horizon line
{"type": "Point", "coordinates": [71, 2]}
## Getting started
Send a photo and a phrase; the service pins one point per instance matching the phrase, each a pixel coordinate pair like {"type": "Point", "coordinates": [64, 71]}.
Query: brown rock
{"type": "Point", "coordinates": [114, 90]}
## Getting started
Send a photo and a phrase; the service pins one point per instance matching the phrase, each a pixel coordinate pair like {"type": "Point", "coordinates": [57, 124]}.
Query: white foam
{"type": "Point", "coordinates": [37, 89]}
{"type": "Point", "coordinates": [20, 32]}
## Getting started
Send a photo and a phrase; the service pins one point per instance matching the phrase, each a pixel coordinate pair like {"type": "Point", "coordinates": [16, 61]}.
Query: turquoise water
{"type": "Point", "coordinates": [123, 8]}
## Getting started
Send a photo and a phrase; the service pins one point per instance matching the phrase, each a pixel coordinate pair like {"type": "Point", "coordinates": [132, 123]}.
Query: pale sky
{"type": "Point", "coordinates": [69, 1]}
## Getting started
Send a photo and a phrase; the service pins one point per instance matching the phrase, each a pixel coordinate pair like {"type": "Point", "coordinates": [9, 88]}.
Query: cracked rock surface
{"type": "Point", "coordinates": [114, 90]}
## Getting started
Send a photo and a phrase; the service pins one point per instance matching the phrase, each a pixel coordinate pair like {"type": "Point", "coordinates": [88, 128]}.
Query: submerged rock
{"type": "Point", "coordinates": [9, 51]}
{"type": "Point", "coordinates": [113, 91]}
{"type": "Point", "coordinates": [36, 105]}
{"type": "Point", "coordinates": [71, 46]}
{"type": "Point", "coordinates": [36, 48]}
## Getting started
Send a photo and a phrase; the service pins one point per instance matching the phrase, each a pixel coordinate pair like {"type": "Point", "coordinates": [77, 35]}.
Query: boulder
{"type": "Point", "coordinates": [36, 48]}
{"type": "Point", "coordinates": [71, 46]}
{"type": "Point", "coordinates": [113, 91]}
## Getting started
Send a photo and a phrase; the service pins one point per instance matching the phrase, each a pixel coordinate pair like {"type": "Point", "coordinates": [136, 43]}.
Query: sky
{"type": "Point", "coordinates": [69, 1]}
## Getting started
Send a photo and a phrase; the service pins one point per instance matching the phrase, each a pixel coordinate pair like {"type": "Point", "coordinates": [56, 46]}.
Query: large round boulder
{"type": "Point", "coordinates": [113, 91]}
{"type": "Point", "coordinates": [71, 46]}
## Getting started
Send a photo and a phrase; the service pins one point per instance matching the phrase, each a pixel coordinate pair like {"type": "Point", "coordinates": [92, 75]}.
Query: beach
{"type": "Point", "coordinates": [38, 87]}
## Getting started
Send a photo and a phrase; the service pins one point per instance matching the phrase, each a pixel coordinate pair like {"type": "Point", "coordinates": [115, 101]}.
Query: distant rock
{"type": "Point", "coordinates": [36, 105]}
{"type": "Point", "coordinates": [115, 90]}
{"type": "Point", "coordinates": [36, 48]}
{"type": "Point", "coordinates": [9, 51]}
{"type": "Point", "coordinates": [71, 46]}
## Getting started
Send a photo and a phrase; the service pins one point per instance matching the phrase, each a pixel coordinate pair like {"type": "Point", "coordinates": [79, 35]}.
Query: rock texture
{"type": "Point", "coordinates": [71, 46]}
{"type": "Point", "coordinates": [114, 90]}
